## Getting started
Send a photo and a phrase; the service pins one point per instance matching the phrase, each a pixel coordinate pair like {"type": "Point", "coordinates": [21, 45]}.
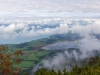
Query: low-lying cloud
{"type": "Point", "coordinates": [66, 60]}
{"type": "Point", "coordinates": [89, 46]}
{"type": "Point", "coordinates": [33, 29]}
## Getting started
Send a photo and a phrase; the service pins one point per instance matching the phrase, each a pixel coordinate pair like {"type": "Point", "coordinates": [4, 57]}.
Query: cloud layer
{"type": "Point", "coordinates": [13, 7]}
{"type": "Point", "coordinates": [48, 5]}
{"type": "Point", "coordinates": [12, 30]}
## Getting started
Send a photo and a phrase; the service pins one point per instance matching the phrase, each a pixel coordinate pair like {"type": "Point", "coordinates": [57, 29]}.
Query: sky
{"type": "Point", "coordinates": [26, 20]}
{"type": "Point", "coordinates": [49, 8]}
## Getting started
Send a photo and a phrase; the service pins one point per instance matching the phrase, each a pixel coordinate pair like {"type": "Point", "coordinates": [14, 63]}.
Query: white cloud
{"type": "Point", "coordinates": [90, 43]}
{"type": "Point", "coordinates": [65, 60]}
{"type": "Point", "coordinates": [35, 6]}
{"type": "Point", "coordinates": [87, 45]}
{"type": "Point", "coordinates": [35, 28]}
{"type": "Point", "coordinates": [88, 29]}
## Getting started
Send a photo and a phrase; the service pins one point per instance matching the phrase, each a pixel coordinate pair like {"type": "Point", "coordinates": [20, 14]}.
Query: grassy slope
{"type": "Point", "coordinates": [32, 50]}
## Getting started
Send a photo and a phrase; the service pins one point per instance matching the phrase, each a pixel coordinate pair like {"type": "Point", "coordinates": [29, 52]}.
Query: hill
{"type": "Point", "coordinates": [33, 51]}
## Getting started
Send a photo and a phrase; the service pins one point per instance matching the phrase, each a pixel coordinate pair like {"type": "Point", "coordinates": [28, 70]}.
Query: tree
{"type": "Point", "coordinates": [59, 72]}
{"type": "Point", "coordinates": [7, 61]}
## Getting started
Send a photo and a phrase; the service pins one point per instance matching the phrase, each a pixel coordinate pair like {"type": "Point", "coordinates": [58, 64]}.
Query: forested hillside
{"type": "Point", "coordinates": [90, 68]}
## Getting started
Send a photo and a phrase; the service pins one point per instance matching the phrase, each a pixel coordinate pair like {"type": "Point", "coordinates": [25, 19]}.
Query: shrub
{"type": "Point", "coordinates": [7, 61]}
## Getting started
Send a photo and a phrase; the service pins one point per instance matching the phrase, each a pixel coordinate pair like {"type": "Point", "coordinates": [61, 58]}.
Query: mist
{"type": "Point", "coordinates": [66, 60]}
{"type": "Point", "coordinates": [88, 45]}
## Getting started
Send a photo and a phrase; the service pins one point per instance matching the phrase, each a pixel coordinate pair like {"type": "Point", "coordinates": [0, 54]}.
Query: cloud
{"type": "Point", "coordinates": [89, 45]}
{"type": "Point", "coordinates": [27, 28]}
{"type": "Point", "coordinates": [66, 60]}
{"type": "Point", "coordinates": [35, 29]}
{"type": "Point", "coordinates": [31, 7]}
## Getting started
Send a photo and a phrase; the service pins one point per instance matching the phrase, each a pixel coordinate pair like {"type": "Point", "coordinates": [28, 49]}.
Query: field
{"type": "Point", "coordinates": [31, 58]}
{"type": "Point", "coordinates": [33, 52]}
